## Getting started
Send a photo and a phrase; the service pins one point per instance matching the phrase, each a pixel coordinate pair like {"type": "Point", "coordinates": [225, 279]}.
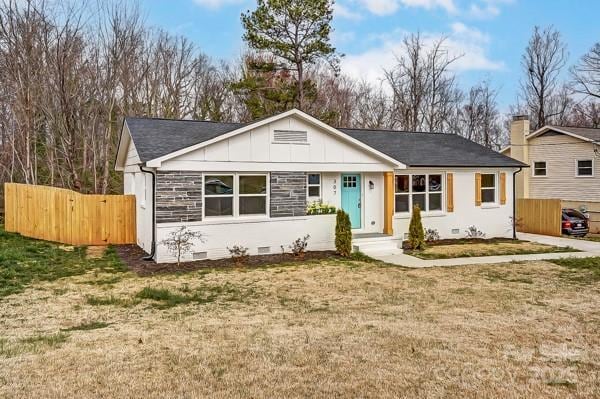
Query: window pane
{"type": "Point", "coordinates": [253, 205]}
{"type": "Point", "coordinates": [539, 172]}
{"type": "Point", "coordinates": [218, 206]}
{"type": "Point", "coordinates": [418, 184]}
{"type": "Point", "coordinates": [218, 185]}
{"type": "Point", "coordinates": [402, 184]}
{"type": "Point", "coordinates": [488, 195]}
{"type": "Point", "coordinates": [253, 184]}
{"type": "Point", "coordinates": [314, 178]}
{"type": "Point", "coordinates": [419, 199]}
{"type": "Point", "coordinates": [435, 202]}
{"type": "Point", "coordinates": [314, 191]}
{"type": "Point", "coordinates": [584, 164]}
{"type": "Point", "coordinates": [401, 203]}
{"type": "Point", "coordinates": [435, 182]}
{"type": "Point", "coordinates": [539, 165]}
{"type": "Point", "coordinates": [487, 180]}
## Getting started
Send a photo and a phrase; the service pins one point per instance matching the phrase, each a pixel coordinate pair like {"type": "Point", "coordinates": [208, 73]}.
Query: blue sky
{"type": "Point", "coordinates": [491, 34]}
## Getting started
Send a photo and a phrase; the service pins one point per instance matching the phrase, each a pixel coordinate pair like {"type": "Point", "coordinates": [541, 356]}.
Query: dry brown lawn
{"type": "Point", "coordinates": [328, 329]}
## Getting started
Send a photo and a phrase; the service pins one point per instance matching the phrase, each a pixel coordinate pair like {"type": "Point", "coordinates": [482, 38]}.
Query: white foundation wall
{"type": "Point", "coordinates": [492, 219]}
{"type": "Point", "coordinates": [271, 233]}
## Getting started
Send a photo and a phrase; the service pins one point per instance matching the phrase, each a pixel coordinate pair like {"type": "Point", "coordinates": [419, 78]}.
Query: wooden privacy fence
{"type": "Point", "coordinates": [61, 215]}
{"type": "Point", "coordinates": [539, 216]}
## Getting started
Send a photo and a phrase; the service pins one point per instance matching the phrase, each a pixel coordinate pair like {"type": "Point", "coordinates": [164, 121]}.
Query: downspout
{"type": "Point", "coordinates": [153, 245]}
{"type": "Point", "coordinates": [514, 191]}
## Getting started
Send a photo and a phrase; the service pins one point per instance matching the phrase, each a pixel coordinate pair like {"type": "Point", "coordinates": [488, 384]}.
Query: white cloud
{"type": "Point", "coordinates": [387, 7]}
{"type": "Point", "coordinates": [468, 43]}
{"type": "Point", "coordinates": [342, 11]}
{"type": "Point", "coordinates": [215, 4]}
{"type": "Point", "coordinates": [486, 9]}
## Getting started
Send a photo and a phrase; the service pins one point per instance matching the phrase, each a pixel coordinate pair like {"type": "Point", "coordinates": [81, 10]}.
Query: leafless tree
{"type": "Point", "coordinates": [542, 62]}
{"type": "Point", "coordinates": [586, 74]}
{"type": "Point", "coordinates": [479, 119]}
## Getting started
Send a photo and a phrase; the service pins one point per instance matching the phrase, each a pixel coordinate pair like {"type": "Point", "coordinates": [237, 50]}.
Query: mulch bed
{"type": "Point", "coordinates": [454, 241]}
{"type": "Point", "coordinates": [132, 256]}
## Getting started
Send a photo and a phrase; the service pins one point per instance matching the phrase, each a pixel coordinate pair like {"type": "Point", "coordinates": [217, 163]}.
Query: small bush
{"type": "Point", "coordinates": [416, 236]}
{"type": "Point", "coordinates": [239, 254]}
{"type": "Point", "coordinates": [319, 208]}
{"type": "Point", "coordinates": [432, 235]}
{"type": "Point", "coordinates": [298, 247]}
{"type": "Point", "coordinates": [343, 234]}
{"type": "Point", "coordinates": [474, 232]}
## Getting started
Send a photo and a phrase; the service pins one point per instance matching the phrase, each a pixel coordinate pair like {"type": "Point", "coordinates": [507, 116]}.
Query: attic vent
{"type": "Point", "coordinates": [290, 136]}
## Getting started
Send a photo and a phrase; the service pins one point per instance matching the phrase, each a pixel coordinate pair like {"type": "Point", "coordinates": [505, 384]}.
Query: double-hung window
{"type": "Point", "coordinates": [539, 168]}
{"type": "Point", "coordinates": [585, 168]}
{"type": "Point", "coordinates": [488, 188]}
{"type": "Point", "coordinates": [422, 190]}
{"type": "Point", "coordinates": [313, 183]}
{"type": "Point", "coordinates": [235, 195]}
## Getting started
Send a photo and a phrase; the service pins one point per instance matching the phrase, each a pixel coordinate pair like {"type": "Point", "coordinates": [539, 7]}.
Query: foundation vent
{"type": "Point", "coordinates": [455, 231]}
{"type": "Point", "coordinates": [199, 255]}
{"type": "Point", "coordinates": [290, 136]}
{"type": "Point", "coordinates": [264, 250]}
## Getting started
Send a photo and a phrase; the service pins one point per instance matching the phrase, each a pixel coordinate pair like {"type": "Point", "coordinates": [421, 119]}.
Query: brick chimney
{"type": "Point", "coordinates": [519, 129]}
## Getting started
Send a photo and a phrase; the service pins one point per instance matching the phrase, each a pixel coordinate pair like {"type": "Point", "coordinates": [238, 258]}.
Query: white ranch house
{"type": "Point", "coordinates": [250, 184]}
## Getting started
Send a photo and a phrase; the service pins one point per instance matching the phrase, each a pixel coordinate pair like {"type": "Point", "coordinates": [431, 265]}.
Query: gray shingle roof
{"type": "Point", "coordinates": [587, 132]}
{"type": "Point", "coordinates": [431, 149]}
{"type": "Point", "coordinates": [154, 138]}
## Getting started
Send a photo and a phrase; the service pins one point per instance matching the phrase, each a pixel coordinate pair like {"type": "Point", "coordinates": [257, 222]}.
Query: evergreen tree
{"type": "Point", "coordinates": [416, 234]}
{"type": "Point", "coordinates": [343, 233]}
{"type": "Point", "coordinates": [296, 32]}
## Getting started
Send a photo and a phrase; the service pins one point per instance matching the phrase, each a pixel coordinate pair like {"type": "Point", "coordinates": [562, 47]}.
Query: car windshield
{"type": "Point", "coordinates": [572, 213]}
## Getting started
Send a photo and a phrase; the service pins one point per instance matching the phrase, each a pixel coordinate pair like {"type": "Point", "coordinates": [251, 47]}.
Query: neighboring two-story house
{"type": "Point", "coordinates": [564, 163]}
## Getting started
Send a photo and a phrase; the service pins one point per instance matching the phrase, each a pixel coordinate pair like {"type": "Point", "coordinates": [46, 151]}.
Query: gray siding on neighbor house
{"type": "Point", "coordinates": [560, 152]}
{"type": "Point", "coordinates": [178, 196]}
{"type": "Point", "coordinates": [288, 194]}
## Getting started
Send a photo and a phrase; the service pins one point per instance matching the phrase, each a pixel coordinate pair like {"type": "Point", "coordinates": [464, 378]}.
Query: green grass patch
{"type": "Point", "coordinates": [94, 325]}
{"type": "Point", "coordinates": [580, 270]}
{"type": "Point", "coordinates": [164, 298]}
{"type": "Point", "coordinates": [35, 343]}
{"type": "Point", "coordinates": [492, 248]}
{"type": "Point", "coordinates": [24, 261]}
{"type": "Point", "coordinates": [110, 301]}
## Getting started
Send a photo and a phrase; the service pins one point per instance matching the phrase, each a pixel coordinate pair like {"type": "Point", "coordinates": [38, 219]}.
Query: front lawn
{"type": "Point", "coordinates": [491, 247]}
{"type": "Point", "coordinates": [326, 328]}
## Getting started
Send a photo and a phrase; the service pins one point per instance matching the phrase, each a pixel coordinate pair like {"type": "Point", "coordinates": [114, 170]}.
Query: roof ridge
{"type": "Point", "coordinates": [392, 130]}
{"type": "Point", "coordinates": [182, 120]}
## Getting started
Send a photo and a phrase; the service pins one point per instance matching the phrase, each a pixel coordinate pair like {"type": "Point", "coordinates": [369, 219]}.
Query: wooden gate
{"type": "Point", "coordinates": [66, 216]}
{"type": "Point", "coordinates": [539, 216]}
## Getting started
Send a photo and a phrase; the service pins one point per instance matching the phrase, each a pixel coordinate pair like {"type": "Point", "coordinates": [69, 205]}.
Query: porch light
{"type": "Point", "coordinates": [371, 185]}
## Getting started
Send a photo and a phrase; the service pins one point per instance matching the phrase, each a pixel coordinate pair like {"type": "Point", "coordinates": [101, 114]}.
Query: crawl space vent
{"type": "Point", "coordinates": [199, 255]}
{"type": "Point", "coordinates": [290, 136]}
{"type": "Point", "coordinates": [455, 231]}
{"type": "Point", "coordinates": [264, 250]}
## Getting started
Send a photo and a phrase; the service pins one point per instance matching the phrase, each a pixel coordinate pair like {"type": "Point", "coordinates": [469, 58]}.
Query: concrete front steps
{"type": "Point", "coordinates": [377, 244]}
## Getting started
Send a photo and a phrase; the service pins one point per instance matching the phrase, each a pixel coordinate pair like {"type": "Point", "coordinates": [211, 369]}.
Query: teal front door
{"type": "Point", "coordinates": [351, 198]}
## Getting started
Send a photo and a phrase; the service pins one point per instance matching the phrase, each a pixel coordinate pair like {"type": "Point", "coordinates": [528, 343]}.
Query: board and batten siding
{"type": "Point", "coordinates": [561, 152]}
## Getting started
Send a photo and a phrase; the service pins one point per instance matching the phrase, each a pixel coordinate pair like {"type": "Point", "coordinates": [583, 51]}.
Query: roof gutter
{"type": "Point", "coordinates": [153, 245]}
{"type": "Point", "coordinates": [514, 191]}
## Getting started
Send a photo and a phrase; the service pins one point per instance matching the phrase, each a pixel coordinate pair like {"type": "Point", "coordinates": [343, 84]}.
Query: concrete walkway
{"type": "Point", "coordinates": [590, 248]}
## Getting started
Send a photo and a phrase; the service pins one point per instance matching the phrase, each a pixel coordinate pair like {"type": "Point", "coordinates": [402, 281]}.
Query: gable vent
{"type": "Point", "coordinates": [290, 136]}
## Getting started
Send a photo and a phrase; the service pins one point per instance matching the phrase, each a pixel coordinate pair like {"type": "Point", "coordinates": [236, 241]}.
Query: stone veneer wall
{"type": "Point", "coordinates": [288, 194]}
{"type": "Point", "coordinates": [178, 196]}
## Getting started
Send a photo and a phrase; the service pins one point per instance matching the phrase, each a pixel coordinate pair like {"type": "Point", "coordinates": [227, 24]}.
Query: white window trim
{"type": "Point", "coordinates": [495, 203]}
{"type": "Point", "coordinates": [577, 168]}
{"type": "Point", "coordinates": [236, 196]}
{"type": "Point", "coordinates": [533, 174]}
{"type": "Point", "coordinates": [320, 185]}
{"type": "Point", "coordinates": [410, 193]}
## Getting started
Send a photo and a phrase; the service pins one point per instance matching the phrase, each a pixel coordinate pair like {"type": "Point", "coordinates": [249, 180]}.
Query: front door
{"type": "Point", "coordinates": [351, 198]}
